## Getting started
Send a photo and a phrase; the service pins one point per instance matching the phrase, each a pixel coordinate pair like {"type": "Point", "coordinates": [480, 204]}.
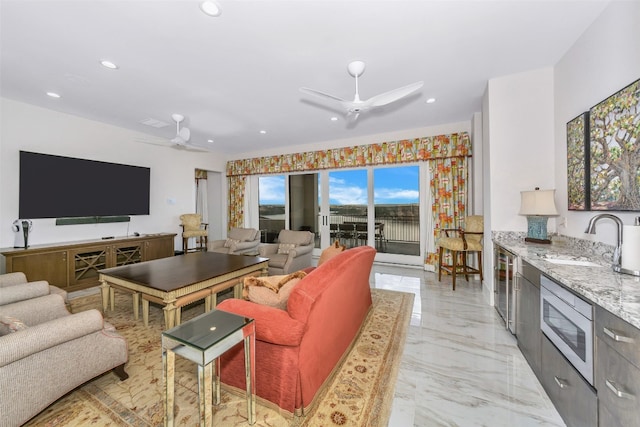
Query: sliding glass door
{"type": "Point", "coordinates": [379, 207]}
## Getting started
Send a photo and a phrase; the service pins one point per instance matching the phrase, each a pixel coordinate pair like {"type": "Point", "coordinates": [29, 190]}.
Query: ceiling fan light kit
{"type": "Point", "coordinates": [355, 107]}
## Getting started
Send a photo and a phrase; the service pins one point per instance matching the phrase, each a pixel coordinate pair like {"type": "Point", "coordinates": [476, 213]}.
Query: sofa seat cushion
{"type": "Point", "coordinates": [242, 234]}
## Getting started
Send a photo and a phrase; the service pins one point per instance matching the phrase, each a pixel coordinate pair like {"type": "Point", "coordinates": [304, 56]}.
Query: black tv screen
{"type": "Point", "coordinates": [58, 187]}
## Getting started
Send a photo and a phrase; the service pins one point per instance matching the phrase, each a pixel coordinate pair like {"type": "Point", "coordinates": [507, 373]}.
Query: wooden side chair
{"type": "Point", "coordinates": [192, 226]}
{"type": "Point", "coordinates": [466, 241]}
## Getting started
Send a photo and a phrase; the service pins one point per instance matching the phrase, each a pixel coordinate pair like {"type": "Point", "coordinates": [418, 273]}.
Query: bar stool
{"type": "Point", "coordinates": [469, 240]}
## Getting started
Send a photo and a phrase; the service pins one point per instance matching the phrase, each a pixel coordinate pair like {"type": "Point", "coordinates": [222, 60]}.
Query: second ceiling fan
{"type": "Point", "coordinates": [355, 107]}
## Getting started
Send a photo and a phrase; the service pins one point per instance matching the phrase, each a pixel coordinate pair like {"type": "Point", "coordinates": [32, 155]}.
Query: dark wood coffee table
{"type": "Point", "coordinates": [180, 280]}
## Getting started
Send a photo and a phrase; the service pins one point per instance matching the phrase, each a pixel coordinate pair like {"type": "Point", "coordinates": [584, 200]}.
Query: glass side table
{"type": "Point", "coordinates": [203, 340]}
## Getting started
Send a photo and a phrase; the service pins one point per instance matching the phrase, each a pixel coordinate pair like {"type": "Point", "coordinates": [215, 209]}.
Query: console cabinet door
{"type": "Point", "coordinates": [158, 248]}
{"type": "Point", "coordinates": [50, 266]}
{"type": "Point", "coordinates": [84, 264]}
{"type": "Point", "coordinates": [125, 253]}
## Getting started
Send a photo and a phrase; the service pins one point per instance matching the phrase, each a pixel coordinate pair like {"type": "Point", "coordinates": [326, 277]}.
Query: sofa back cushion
{"type": "Point", "coordinates": [349, 268]}
{"type": "Point", "coordinates": [242, 234]}
{"type": "Point", "coordinates": [298, 238]}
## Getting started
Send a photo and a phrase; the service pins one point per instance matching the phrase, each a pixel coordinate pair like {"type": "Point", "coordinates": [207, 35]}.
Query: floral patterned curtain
{"type": "Point", "coordinates": [446, 154]}
{"type": "Point", "coordinates": [235, 191]}
{"type": "Point", "coordinates": [449, 177]}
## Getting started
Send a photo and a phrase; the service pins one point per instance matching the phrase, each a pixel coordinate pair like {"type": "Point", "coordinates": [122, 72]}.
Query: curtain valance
{"type": "Point", "coordinates": [404, 151]}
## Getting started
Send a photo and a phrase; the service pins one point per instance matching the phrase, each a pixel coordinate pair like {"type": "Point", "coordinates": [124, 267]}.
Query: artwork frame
{"type": "Point", "coordinates": [614, 167]}
{"type": "Point", "coordinates": [578, 170]}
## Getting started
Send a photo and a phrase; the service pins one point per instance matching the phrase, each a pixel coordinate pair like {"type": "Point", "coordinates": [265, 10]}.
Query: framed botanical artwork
{"type": "Point", "coordinates": [615, 151]}
{"type": "Point", "coordinates": [578, 163]}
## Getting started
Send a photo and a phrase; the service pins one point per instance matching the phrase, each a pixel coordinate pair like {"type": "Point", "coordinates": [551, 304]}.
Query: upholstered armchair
{"type": "Point", "coordinates": [290, 254]}
{"type": "Point", "coordinates": [14, 287]}
{"type": "Point", "coordinates": [239, 241]}
{"type": "Point", "coordinates": [193, 227]}
{"type": "Point", "coordinates": [45, 352]}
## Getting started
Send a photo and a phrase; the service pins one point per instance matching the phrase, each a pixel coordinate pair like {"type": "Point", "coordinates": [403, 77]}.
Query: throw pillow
{"type": "Point", "coordinates": [265, 296]}
{"type": "Point", "coordinates": [330, 252]}
{"type": "Point", "coordinates": [285, 248]}
{"type": "Point", "coordinates": [272, 283]}
{"type": "Point", "coordinates": [231, 242]}
{"type": "Point", "coordinates": [9, 324]}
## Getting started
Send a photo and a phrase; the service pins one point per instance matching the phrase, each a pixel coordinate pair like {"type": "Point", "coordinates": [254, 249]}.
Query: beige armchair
{"type": "Point", "coordinates": [239, 241]}
{"type": "Point", "coordinates": [193, 227]}
{"type": "Point", "coordinates": [14, 287]}
{"type": "Point", "coordinates": [290, 254]}
{"type": "Point", "coordinates": [45, 352]}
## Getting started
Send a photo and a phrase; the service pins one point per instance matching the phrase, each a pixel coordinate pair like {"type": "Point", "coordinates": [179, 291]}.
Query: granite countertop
{"type": "Point", "coordinates": [618, 293]}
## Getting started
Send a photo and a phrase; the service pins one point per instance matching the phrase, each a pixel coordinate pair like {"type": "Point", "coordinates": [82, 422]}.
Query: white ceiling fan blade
{"type": "Point", "coordinates": [185, 134]}
{"type": "Point", "coordinates": [321, 94]}
{"type": "Point", "coordinates": [393, 95]}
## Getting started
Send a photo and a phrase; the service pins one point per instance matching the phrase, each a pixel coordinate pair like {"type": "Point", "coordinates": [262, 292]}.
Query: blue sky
{"type": "Point", "coordinates": [396, 185]}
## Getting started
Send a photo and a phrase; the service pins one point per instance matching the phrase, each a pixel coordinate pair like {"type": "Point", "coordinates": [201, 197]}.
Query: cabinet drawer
{"type": "Point", "coordinates": [619, 335]}
{"type": "Point", "coordinates": [572, 396]}
{"type": "Point", "coordinates": [618, 384]}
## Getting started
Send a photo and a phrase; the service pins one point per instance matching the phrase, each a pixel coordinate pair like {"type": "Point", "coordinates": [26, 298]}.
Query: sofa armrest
{"type": "Point", "coordinates": [37, 310]}
{"type": "Point", "coordinates": [10, 279]}
{"type": "Point", "coordinates": [268, 249]}
{"type": "Point", "coordinates": [245, 245]}
{"type": "Point", "coordinates": [272, 325]}
{"type": "Point", "coordinates": [34, 339]}
{"type": "Point", "coordinates": [24, 291]}
{"type": "Point", "coordinates": [215, 244]}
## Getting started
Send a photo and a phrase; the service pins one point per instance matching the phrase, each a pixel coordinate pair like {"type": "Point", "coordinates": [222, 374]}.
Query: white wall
{"type": "Point", "coordinates": [521, 148]}
{"type": "Point", "coordinates": [518, 151]}
{"type": "Point", "coordinates": [603, 60]}
{"type": "Point", "coordinates": [30, 128]}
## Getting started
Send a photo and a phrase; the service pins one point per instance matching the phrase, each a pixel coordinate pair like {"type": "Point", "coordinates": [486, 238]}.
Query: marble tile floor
{"type": "Point", "coordinates": [460, 367]}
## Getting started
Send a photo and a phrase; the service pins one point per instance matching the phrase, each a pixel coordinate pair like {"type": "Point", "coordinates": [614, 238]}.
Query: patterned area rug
{"type": "Point", "coordinates": [359, 393]}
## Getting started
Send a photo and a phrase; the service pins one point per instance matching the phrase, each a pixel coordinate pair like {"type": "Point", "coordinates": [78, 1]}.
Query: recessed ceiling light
{"type": "Point", "coordinates": [431, 100]}
{"type": "Point", "coordinates": [53, 95]}
{"type": "Point", "coordinates": [109, 64]}
{"type": "Point", "coordinates": [334, 119]}
{"type": "Point", "coordinates": [210, 141]}
{"type": "Point", "coordinates": [263, 132]}
{"type": "Point", "coordinates": [210, 8]}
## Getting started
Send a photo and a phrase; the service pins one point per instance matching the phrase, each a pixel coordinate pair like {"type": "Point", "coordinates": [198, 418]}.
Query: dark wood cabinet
{"type": "Point", "coordinates": [74, 265]}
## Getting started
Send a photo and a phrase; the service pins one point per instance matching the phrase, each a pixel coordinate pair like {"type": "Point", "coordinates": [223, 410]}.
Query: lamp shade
{"type": "Point", "coordinates": [538, 202]}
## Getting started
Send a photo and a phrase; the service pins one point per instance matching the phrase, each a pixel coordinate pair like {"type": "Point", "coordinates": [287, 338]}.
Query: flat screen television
{"type": "Point", "coordinates": [60, 187]}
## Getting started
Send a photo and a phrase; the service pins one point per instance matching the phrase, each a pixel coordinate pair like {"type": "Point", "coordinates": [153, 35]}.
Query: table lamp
{"type": "Point", "coordinates": [537, 206]}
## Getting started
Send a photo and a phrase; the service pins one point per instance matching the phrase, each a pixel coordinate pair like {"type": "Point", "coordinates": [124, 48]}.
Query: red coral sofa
{"type": "Point", "coordinates": [297, 349]}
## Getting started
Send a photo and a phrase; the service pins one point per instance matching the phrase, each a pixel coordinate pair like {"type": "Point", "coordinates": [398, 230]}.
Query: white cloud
{"type": "Point", "coordinates": [389, 194]}
{"type": "Point", "coordinates": [348, 195]}
{"type": "Point", "coordinates": [272, 190]}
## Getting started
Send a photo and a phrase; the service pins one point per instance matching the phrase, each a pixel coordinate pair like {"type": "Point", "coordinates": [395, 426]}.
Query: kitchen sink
{"type": "Point", "coordinates": [569, 260]}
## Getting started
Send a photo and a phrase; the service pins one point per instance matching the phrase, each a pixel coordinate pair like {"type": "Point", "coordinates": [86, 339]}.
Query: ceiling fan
{"type": "Point", "coordinates": [355, 107]}
{"type": "Point", "coordinates": [181, 140]}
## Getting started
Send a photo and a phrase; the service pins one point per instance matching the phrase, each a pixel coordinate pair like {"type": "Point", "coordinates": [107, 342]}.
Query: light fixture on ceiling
{"type": "Point", "coordinates": [210, 141]}
{"type": "Point", "coordinates": [53, 95]}
{"type": "Point", "coordinates": [430, 100]}
{"type": "Point", "coordinates": [334, 119]}
{"type": "Point", "coordinates": [108, 64]}
{"type": "Point", "coordinates": [263, 132]}
{"type": "Point", "coordinates": [211, 8]}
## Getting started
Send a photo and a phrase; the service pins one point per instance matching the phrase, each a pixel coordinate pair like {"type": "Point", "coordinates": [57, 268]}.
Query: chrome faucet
{"type": "Point", "coordinates": [591, 229]}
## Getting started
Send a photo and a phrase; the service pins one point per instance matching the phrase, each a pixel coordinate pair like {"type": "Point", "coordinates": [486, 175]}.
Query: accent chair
{"type": "Point", "coordinates": [291, 253]}
{"type": "Point", "coordinates": [193, 227]}
{"type": "Point", "coordinates": [239, 241]}
{"type": "Point", "coordinates": [466, 241]}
